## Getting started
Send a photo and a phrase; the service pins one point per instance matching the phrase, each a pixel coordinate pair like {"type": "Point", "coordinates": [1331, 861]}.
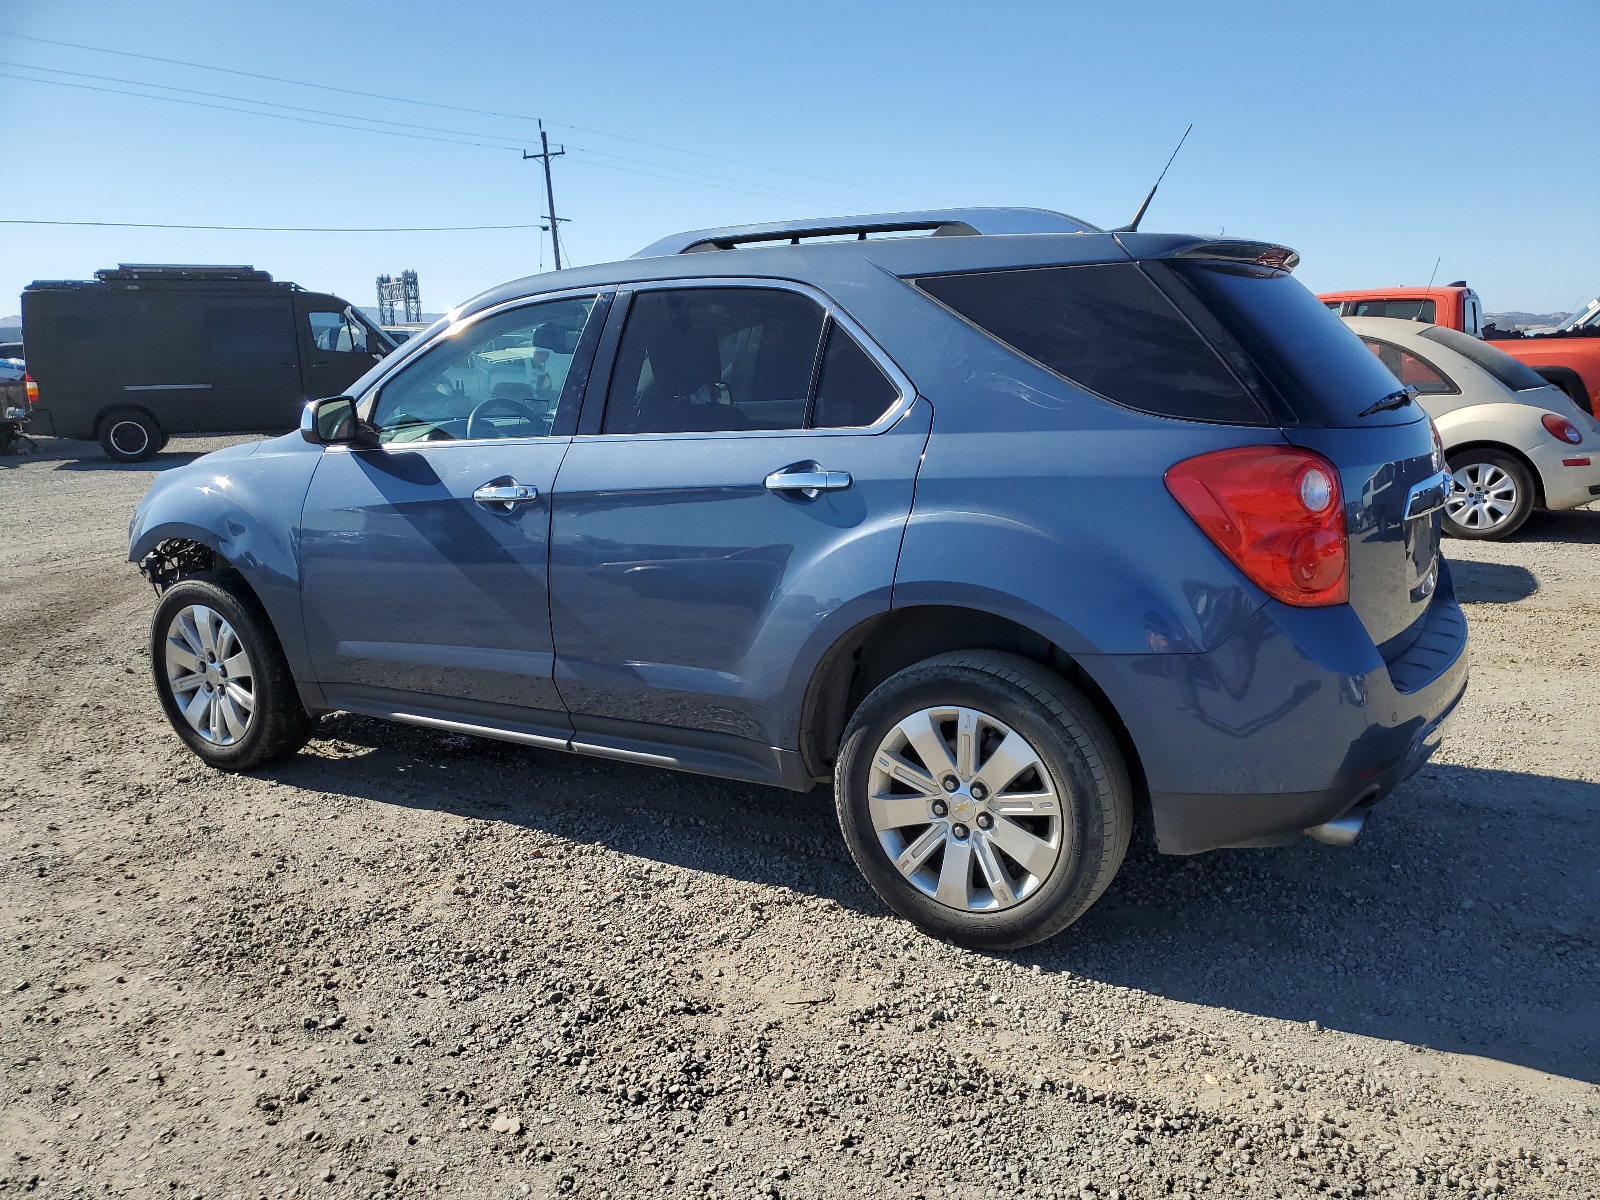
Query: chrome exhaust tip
{"type": "Point", "coordinates": [1341, 831]}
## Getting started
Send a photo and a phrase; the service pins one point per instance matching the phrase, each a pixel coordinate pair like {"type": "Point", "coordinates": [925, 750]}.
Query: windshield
{"type": "Point", "coordinates": [1515, 375]}
{"type": "Point", "coordinates": [1320, 368]}
{"type": "Point", "coordinates": [1588, 318]}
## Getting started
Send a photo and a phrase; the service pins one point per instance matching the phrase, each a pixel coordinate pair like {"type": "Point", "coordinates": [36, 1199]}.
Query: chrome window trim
{"type": "Point", "coordinates": [830, 310]}
{"type": "Point", "coordinates": [456, 327]}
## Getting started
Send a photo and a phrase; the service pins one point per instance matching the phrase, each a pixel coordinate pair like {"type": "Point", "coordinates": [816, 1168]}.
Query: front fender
{"type": "Point", "coordinates": [244, 503]}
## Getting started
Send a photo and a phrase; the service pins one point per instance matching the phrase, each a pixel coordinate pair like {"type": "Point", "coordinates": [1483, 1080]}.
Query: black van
{"type": "Point", "coordinates": [144, 352]}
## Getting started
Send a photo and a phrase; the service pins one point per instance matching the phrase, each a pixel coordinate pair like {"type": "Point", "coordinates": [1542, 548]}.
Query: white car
{"type": "Point", "coordinates": [1514, 441]}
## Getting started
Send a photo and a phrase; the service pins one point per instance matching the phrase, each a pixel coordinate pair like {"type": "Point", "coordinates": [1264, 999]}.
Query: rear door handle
{"type": "Point", "coordinates": [504, 497]}
{"type": "Point", "coordinates": [809, 479]}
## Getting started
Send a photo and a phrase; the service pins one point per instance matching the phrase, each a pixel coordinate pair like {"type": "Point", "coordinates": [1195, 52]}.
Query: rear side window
{"type": "Point", "coordinates": [1408, 368]}
{"type": "Point", "coordinates": [1309, 356]}
{"type": "Point", "coordinates": [707, 360]}
{"type": "Point", "coordinates": [1105, 327]}
{"type": "Point", "coordinates": [1517, 376]}
{"type": "Point", "coordinates": [1404, 310]}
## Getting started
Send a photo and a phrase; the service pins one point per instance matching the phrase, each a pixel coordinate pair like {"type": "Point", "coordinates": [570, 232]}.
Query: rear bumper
{"type": "Point", "coordinates": [1293, 721]}
{"type": "Point", "coordinates": [1566, 487]}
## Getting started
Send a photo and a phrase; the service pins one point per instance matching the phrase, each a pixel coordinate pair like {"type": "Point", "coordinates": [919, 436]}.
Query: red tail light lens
{"type": "Point", "coordinates": [1561, 429]}
{"type": "Point", "coordinates": [1277, 513]}
{"type": "Point", "coordinates": [31, 388]}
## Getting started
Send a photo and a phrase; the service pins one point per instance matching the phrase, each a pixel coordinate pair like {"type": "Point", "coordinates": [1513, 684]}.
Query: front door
{"type": "Point", "coordinates": [425, 558]}
{"type": "Point", "coordinates": [745, 491]}
{"type": "Point", "coordinates": [335, 346]}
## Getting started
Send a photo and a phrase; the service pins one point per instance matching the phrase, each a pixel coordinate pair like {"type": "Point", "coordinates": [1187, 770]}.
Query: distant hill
{"type": "Point", "coordinates": [1525, 321]}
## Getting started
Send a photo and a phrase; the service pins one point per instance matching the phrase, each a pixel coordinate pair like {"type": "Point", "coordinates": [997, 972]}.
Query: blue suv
{"type": "Point", "coordinates": [1004, 525]}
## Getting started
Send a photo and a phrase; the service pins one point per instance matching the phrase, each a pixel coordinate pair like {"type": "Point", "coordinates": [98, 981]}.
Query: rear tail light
{"type": "Point", "coordinates": [1277, 513]}
{"type": "Point", "coordinates": [1561, 429]}
{"type": "Point", "coordinates": [31, 388]}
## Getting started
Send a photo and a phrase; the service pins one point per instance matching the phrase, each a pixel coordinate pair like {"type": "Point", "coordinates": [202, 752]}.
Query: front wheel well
{"type": "Point", "coordinates": [175, 559]}
{"type": "Point", "coordinates": [1510, 452]}
{"type": "Point", "coordinates": [882, 645]}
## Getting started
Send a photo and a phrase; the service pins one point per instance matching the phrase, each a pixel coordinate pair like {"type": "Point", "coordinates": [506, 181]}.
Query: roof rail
{"type": "Point", "coordinates": [938, 222]}
{"type": "Point", "coordinates": [181, 271]}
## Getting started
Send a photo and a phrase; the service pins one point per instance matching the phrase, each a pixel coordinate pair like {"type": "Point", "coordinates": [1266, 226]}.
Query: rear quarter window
{"type": "Point", "coordinates": [1107, 328]}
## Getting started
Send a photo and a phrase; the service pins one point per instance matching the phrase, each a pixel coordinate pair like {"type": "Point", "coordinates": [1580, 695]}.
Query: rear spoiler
{"type": "Point", "coordinates": [1256, 254]}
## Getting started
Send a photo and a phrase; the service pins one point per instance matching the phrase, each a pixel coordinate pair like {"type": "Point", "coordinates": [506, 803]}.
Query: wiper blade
{"type": "Point", "coordinates": [1392, 401]}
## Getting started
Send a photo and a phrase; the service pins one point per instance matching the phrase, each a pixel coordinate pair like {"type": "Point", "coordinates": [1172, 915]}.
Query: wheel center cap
{"type": "Point", "coordinates": [963, 809]}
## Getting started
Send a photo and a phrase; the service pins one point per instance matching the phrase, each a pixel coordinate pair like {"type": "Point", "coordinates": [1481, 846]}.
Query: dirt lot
{"type": "Point", "coordinates": [414, 965]}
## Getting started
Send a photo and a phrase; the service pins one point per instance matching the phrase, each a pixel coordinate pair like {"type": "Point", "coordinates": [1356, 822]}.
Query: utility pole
{"type": "Point", "coordinates": [545, 155]}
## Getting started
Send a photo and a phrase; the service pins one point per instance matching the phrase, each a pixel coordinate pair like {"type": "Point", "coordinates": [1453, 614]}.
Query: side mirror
{"type": "Point", "coordinates": [333, 421]}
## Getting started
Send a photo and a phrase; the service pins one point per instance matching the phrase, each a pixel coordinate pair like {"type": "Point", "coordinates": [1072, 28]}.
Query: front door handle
{"type": "Point", "coordinates": [809, 479]}
{"type": "Point", "coordinates": [505, 496]}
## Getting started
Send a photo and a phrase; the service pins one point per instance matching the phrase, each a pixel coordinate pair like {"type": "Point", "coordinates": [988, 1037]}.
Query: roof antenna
{"type": "Point", "coordinates": [1133, 225]}
{"type": "Point", "coordinates": [1428, 291]}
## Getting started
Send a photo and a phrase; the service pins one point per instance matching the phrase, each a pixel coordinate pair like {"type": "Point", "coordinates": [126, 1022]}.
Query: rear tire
{"type": "Point", "coordinates": [221, 675]}
{"type": "Point", "coordinates": [128, 435]}
{"type": "Point", "coordinates": [1491, 494]}
{"type": "Point", "coordinates": [966, 846]}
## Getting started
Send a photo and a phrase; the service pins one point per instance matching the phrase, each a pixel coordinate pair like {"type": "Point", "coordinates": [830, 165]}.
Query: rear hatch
{"type": "Point", "coordinates": [1323, 384]}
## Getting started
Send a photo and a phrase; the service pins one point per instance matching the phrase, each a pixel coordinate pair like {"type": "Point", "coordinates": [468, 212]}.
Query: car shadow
{"type": "Point", "coordinates": [71, 454]}
{"type": "Point", "coordinates": [1491, 582]}
{"type": "Point", "coordinates": [1573, 525]}
{"type": "Point", "coordinates": [1467, 918]}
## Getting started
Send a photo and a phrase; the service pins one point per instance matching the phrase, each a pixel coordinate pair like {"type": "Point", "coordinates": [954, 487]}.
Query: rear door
{"type": "Point", "coordinates": [336, 348]}
{"type": "Point", "coordinates": [424, 560]}
{"type": "Point", "coordinates": [742, 489]}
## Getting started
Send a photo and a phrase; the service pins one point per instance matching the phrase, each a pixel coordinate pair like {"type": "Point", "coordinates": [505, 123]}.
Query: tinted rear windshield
{"type": "Point", "coordinates": [1309, 356]}
{"type": "Point", "coordinates": [1519, 377]}
{"type": "Point", "coordinates": [1108, 328]}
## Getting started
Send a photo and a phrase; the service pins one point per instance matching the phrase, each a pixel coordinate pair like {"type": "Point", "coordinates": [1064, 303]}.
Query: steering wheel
{"type": "Point", "coordinates": [478, 423]}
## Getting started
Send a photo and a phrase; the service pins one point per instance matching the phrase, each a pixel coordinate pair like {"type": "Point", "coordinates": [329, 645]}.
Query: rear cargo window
{"type": "Point", "coordinates": [1319, 367]}
{"type": "Point", "coordinates": [1517, 376]}
{"type": "Point", "coordinates": [1107, 328]}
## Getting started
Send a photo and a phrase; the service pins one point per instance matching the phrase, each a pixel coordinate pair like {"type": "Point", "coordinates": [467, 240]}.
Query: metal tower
{"type": "Point", "coordinates": [402, 292]}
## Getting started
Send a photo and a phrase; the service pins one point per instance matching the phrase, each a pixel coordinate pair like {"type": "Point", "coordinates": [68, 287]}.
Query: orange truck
{"type": "Point", "coordinates": [1568, 357]}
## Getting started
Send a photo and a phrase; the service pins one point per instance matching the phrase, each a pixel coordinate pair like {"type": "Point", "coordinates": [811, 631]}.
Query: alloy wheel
{"type": "Point", "coordinates": [1482, 496]}
{"type": "Point", "coordinates": [965, 809]}
{"type": "Point", "coordinates": [210, 674]}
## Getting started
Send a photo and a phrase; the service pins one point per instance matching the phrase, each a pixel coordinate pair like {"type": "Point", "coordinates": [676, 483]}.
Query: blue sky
{"type": "Point", "coordinates": [1372, 137]}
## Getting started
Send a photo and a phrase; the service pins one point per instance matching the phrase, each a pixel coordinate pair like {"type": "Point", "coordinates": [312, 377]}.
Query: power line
{"type": "Point", "coordinates": [421, 137]}
{"type": "Point", "coordinates": [482, 112]}
{"type": "Point", "coordinates": [268, 228]}
{"type": "Point", "coordinates": [167, 87]}
{"type": "Point", "coordinates": [742, 163]}
{"type": "Point", "coordinates": [767, 191]}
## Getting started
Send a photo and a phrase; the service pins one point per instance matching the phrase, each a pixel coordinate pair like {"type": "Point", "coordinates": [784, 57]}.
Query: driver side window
{"type": "Point", "coordinates": [499, 377]}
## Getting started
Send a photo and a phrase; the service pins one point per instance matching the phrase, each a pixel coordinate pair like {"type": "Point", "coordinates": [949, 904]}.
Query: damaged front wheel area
{"type": "Point", "coordinates": [221, 675]}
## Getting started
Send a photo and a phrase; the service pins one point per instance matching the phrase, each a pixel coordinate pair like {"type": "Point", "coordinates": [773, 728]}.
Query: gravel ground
{"type": "Point", "coordinates": [408, 965]}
